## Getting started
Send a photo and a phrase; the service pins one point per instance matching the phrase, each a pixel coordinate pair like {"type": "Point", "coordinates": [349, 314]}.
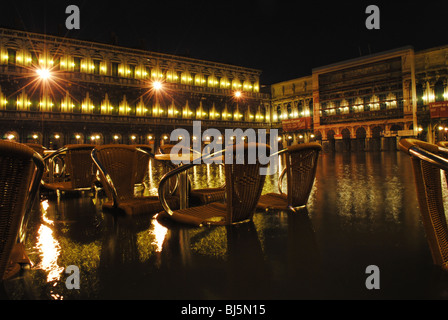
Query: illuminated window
{"type": "Point", "coordinates": [141, 72]}
{"type": "Point", "coordinates": [247, 86]}
{"type": "Point", "coordinates": [124, 108]}
{"type": "Point", "coordinates": [186, 78]}
{"type": "Point", "coordinates": [103, 67]}
{"type": "Point", "coordinates": [224, 83]}
{"type": "Point", "coordinates": [124, 70]}
{"type": "Point", "coordinates": [156, 74]}
{"type": "Point", "coordinates": [66, 63]}
{"type": "Point", "coordinates": [236, 84]}
{"type": "Point", "coordinates": [199, 80]}
{"type": "Point", "coordinates": [141, 109]}
{"type": "Point", "coordinates": [212, 81]}
{"type": "Point", "coordinates": [374, 103]}
{"type": "Point", "coordinates": [45, 60]}
{"type": "Point", "coordinates": [87, 65]}
{"type": "Point", "coordinates": [3, 56]}
{"type": "Point", "coordinates": [391, 101]}
{"type": "Point", "coordinates": [23, 58]}
{"type": "Point", "coordinates": [171, 76]}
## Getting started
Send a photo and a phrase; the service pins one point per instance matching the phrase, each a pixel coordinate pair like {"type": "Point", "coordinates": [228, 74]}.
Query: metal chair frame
{"type": "Point", "coordinates": [427, 159]}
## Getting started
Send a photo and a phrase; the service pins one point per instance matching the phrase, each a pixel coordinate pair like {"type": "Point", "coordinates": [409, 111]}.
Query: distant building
{"type": "Point", "coordinates": [366, 103]}
{"type": "Point", "coordinates": [56, 91]}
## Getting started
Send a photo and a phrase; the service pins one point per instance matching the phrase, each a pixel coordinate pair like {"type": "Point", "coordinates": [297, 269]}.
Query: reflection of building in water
{"type": "Point", "coordinates": [367, 103]}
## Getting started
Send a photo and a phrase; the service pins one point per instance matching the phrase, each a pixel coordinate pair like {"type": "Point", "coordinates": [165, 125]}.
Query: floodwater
{"type": "Point", "coordinates": [363, 212]}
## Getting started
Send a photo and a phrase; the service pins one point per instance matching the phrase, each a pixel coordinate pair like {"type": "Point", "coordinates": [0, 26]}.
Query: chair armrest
{"type": "Point", "coordinates": [425, 151]}
{"type": "Point", "coordinates": [106, 176]}
{"type": "Point", "coordinates": [280, 180]}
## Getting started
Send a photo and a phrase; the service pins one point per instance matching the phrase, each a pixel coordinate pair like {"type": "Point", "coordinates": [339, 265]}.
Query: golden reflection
{"type": "Point", "coordinates": [48, 247]}
{"type": "Point", "coordinates": [50, 250]}
{"type": "Point", "coordinates": [159, 233]}
{"type": "Point", "coordinates": [367, 194]}
{"type": "Point", "coordinates": [151, 240]}
{"type": "Point", "coordinates": [45, 206]}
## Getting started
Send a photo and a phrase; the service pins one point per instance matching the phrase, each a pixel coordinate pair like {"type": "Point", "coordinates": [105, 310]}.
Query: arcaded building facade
{"type": "Point", "coordinates": [56, 91]}
{"type": "Point", "coordinates": [367, 103]}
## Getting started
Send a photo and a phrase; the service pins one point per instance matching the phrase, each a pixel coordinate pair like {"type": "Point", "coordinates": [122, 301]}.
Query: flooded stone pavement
{"type": "Point", "coordinates": [363, 211]}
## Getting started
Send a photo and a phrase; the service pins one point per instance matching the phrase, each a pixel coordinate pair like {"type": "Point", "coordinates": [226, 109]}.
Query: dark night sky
{"type": "Point", "coordinates": [284, 39]}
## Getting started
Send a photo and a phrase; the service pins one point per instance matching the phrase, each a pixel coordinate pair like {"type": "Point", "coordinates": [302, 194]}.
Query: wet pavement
{"type": "Point", "coordinates": [363, 211]}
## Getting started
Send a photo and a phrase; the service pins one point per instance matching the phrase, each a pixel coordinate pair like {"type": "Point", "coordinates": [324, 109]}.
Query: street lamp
{"type": "Point", "coordinates": [157, 85]}
{"type": "Point", "coordinates": [44, 74]}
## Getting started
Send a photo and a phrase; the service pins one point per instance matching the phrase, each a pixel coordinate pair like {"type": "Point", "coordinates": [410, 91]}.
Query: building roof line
{"type": "Point", "coordinates": [363, 58]}
{"type": "Point", "coordinates": [124, 49]}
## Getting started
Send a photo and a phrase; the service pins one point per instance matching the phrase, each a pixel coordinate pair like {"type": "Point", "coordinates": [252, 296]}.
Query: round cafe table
{"type": "Point", "coordinates": [183, 178]}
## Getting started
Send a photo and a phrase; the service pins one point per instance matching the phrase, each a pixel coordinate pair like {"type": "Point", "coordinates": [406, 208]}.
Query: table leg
{"type": "Point", "coordinates": [183, 190]}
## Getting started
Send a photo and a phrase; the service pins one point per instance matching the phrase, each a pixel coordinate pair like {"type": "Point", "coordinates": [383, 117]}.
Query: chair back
{"type": "Point", "coordinates": [117, 164]}
{"type": "Point", "coordinates": [301, 164]}
{"type": "Point", "coordinates": [79, 165]}
{"type": "Point", "coordinates": [21, 170]}
{"type": "Point", "coordinates": [427, 162]}
{"type": "Point", "coordinates": [244, 184]}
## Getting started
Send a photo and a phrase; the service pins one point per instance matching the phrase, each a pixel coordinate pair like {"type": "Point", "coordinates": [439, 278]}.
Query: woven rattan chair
{"type": "Point", "coordinates": [21, 170]}
{"type": "Point", "coordinates": [78, 173]}
{"type": "Point", "coordinates": [118, 166]}
{"type": "Point", "coordinates": [199, 196]}
{"type": "Point", "coordinates": [244, 185]}
{"type": "Point", "coordinates": [300, 171]}
{"type": "Point", "coordinates": [427, 160]}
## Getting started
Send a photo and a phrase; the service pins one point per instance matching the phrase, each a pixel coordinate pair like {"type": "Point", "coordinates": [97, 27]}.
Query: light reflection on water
{"type": "Point", "coordinates": [363, 200]}
{"type": "Point", "coordinates": [49, 250]}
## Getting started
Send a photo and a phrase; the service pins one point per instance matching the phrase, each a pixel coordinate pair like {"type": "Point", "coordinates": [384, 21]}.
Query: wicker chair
{"type": "Point", "coordinates": [244, 185]}
{"type": "Point", "coordinates": [118, 166]}
{"type": "Point", "coordinates": [427, 160]}
{"type": "Point", "coordinates": [79, 172]}
{"type": "Point", "coordinates": [21, 170]}
{"type": "Point", "coordinates": [199, 196]}
{"type": "Point", "coordinates": [300, 170]}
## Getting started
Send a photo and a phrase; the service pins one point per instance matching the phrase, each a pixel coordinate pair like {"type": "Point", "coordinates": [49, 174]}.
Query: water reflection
{"type": "Point", "coordinates": [48, 248]}
{"type": "Point", "coordinates": [362, 210]}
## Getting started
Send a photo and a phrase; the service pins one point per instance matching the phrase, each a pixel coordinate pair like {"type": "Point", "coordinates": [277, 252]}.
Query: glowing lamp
{"type": "Point", "coordinates": [157, 85]}
{"type": "Point", "coordinates": [44, 74]}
